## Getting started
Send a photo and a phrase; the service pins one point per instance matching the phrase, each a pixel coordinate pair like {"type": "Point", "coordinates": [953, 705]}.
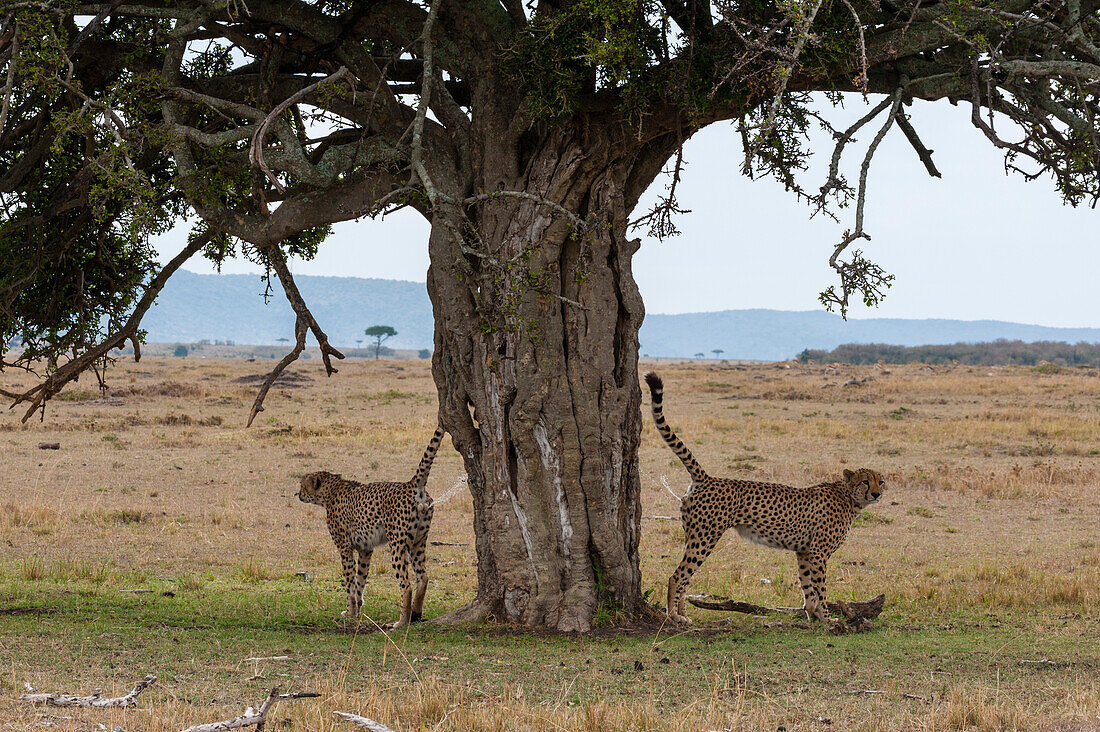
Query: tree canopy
{"type": "Point", "coordinates": [268, 122]}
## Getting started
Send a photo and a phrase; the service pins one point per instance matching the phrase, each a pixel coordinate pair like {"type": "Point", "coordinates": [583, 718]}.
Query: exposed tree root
{"type": "Point", "coordinates": [473, 612]}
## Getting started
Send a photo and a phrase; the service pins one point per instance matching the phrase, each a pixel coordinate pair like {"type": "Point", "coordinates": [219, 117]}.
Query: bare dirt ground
{"type": "Point", "coordinates": [164, 537]}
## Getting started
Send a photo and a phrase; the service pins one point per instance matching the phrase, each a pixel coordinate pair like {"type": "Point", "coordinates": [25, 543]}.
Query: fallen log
{"type": "Point", "coordinates": [58, 699]}
{"type": "Point", "coordinates": [868, 609]}
{"type": "Point", "coordinates": [855, 616]}
{"type": "Point", "coordinates": [251, 717]}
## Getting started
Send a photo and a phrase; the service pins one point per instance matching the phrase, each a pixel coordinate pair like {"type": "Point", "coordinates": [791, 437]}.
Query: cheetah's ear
{"type": "Point", "coordinates": [848, 475]}
{"type": "Point", "coordinates": [315, 482]}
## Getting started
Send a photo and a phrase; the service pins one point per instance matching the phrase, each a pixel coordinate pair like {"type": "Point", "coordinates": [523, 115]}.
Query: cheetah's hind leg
{"type": "Point", "coordinates": [418, 547]}
{"type": "Point", "coordinates": [421, 575]}
{"type": "Point", "coordinates": [399, 554]}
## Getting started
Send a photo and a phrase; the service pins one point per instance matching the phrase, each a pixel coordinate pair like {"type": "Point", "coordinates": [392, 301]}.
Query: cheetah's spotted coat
{"type": "Point", "coordinates": [812, 522]}
{"type": "Point", "coordinates": [361, 517]}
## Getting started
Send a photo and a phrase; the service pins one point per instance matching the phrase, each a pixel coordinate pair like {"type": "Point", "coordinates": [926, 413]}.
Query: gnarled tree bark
{"type": "Point", "coordinates": [536, 364]}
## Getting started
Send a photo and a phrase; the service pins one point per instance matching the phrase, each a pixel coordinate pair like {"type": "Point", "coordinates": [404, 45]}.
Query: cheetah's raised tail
{"type": "Point", "coordinates": [425, 467]}
{"type": "Point", "coordinates": [656, 391]}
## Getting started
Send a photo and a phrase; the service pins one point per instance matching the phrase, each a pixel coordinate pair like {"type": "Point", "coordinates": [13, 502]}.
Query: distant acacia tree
{"type": "Point", "coordinates": [525, 133]}
{"type": "Point", "coordinates": [700, 355]}
{"type": "Point", "coordinates": [718, 352]}
{"type": "Point", "coordinates": [380, 334]}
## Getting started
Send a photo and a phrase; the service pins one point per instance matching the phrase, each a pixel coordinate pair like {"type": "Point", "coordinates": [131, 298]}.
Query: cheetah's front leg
{"type": "Point", "coordinates": [811, 575]}
{"type": "Point", "coordinates": [347, 562]}
{"type": "Point", "coordinates": [359, 582]}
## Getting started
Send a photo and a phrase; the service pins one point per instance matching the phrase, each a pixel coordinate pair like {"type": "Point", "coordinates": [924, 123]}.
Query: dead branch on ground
{"type": "Point", "coordinates": [252, 717]}
{"type": "Point", "coordinates": [59, 699]}
{"type": "Point", "coordinates": [855, 616]}
{"type": "Point", "coordinates": [363, 722]}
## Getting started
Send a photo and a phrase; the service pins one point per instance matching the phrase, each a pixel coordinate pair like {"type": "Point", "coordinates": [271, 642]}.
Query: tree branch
{"type": "Point", "coordinates": [41, 393]}
{"type": "Point", "coordinates": [13, 61]}
{"type": "Point", "coordinates": [251, 717]}
{"type": "Point", "coordinates": [278, 263]}
{"type": "Point", "coordinates": [416, 162]}
{"type": "Point", "coordinates": [859, 273]}
{"type": "Point", "coordinates": [300, 329]}
{"type": "Point", "coordinates": [255, 149]}
{"type": "Point", "coordinates": [923, 153]}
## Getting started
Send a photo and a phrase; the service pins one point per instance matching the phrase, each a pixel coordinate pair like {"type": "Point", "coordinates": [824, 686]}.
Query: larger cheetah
{"type": "Point", "coordinates": [811, 522]}
{"type": "Point", "coordinates": [361, 517]}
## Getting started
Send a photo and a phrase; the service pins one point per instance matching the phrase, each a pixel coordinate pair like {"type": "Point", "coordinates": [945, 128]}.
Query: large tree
{"type": "Point", "coordinates": [525, 133]}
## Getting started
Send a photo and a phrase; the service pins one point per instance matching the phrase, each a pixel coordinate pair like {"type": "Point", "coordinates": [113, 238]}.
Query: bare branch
{"type": "Point", "coordinates": [278, 263]}
{"type": "Point", "coordinates": [868, 609]}
{"type": "Point", "coordinates": [300, 329]}
{"type": "Point", "coordinates": [251, 717]}
{"type": "Point", "coordinates": [366, 722]}
{"type": "Point", "coordinates": [58, 699]}
{"type": "Point", "coordinates": [862, 79]}
{"type": "Point", "coordinates": [860, 273]}
{"type": "Point", "coordinates": [834, 182]}
{"type": "Point", "coordinates": [660, 217]}
{"type": "Point", "coordinates": [923, 153]}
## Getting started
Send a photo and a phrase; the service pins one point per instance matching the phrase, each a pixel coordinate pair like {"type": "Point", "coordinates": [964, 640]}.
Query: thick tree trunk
{"type": "Point", "coordinates": [536, 364]}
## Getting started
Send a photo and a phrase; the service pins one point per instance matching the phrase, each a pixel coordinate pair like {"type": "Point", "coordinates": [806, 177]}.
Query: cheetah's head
{"type": "Point", "coordinates": [315, 488]}
{"type": "Point", "coordinates": [866, 486]}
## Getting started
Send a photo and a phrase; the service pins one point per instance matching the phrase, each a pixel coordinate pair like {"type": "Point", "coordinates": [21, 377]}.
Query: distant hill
{"type": "Point", "coordinates": [778, 334]}
{"type": "Point", "coordinates": [230, 307]}
{"type": "Point", "coordinates": [193, 307]}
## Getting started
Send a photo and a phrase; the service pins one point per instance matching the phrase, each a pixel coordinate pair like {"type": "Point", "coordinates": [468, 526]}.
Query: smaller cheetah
{"type": "Point", "coordinates": [361, 517]}
{"type": "Point", "coordinates": [812, 522]}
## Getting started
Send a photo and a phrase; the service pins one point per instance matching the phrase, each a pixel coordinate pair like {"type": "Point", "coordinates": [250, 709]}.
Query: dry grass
{"type": "Point", "coordinates": [986, 545]}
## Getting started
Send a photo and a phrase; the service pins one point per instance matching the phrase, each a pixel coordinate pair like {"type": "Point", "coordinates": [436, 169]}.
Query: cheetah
{"type": "Point", "coordinates": [812, 522]}
{"type": "Point", "coordinates": [361, 517]}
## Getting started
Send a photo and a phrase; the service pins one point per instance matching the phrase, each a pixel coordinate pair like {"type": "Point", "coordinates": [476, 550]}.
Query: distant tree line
{"type": "Point", "coordinates": [997, 353]}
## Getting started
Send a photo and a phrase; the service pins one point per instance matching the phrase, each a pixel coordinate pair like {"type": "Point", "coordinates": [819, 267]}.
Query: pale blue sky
{"type": "Point", "coordinates": [976, 244]}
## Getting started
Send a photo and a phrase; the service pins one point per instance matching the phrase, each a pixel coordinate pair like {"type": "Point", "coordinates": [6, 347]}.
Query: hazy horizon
{"type": "Point", "coordinates": [869, 313]}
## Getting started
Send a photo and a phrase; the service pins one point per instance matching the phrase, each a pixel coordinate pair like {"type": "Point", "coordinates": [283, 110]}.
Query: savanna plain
{"type": "Point", "coordinates": [164, 537]}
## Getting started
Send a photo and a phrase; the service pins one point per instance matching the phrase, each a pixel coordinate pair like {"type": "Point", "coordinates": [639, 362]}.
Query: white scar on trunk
{"type": "Point", "coordinates": [497, 415]}
{"type": "Point", "coordinates": [614, 477]}
{"type": "Point", "coordinates": [521, 517]}
{"type": "Point", "coordinates": [553, 466]}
